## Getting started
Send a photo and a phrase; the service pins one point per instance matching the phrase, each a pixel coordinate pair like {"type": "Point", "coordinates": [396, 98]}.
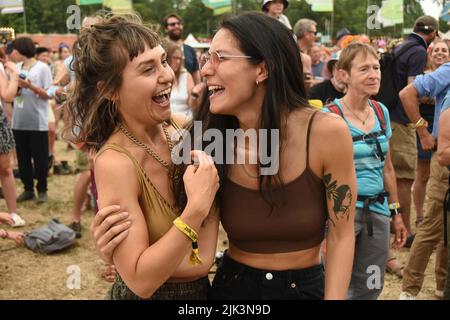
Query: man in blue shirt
{"type": "Point", "coordinates": [173, 26]}
{"type": "Point", "coordinates": [444, 160]}
{"type": "Point", "coordinates": [431, 231]}
{"type": "Point", "coordinates": [444, 133]}
{"type": "Point", "coordinates": [408, 65]}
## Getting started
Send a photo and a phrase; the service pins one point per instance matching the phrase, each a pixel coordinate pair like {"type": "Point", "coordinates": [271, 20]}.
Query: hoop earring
{"type": "Point", "coordinates": [113, 106]}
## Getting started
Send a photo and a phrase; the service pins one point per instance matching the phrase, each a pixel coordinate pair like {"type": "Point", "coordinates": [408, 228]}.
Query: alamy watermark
{"type": "Point", "coordinates": [372, 17]}
{"type": "Point", "coordinates": [73, 22]}
{"type": "Point", "coordinates": [374, 280]}
{"type": "Point", "coordinates": [74, 279]}
{"type": "Point", "coordinates": [261, 147]}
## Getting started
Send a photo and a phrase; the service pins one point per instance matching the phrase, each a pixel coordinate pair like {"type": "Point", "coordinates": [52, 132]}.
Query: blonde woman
{"type": "Point", "coordinates": [181, 100]}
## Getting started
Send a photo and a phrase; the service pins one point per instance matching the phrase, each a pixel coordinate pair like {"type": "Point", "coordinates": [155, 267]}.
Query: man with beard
{"type": "Point", "coordinates": [173, 26]}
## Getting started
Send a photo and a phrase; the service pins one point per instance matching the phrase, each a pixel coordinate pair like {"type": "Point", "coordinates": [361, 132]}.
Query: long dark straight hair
{"type": "Point", "coordinates": [265, 40]}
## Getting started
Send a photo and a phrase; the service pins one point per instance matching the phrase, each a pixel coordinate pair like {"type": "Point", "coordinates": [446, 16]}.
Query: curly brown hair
{"type": "Point", "coordinates": [101, 53]}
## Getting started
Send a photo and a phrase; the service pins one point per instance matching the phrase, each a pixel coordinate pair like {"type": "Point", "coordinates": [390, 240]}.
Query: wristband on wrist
{"type": "Point", "coordinates": [191, 234]}
{"type": "Point", "coordinates": [420, 123]}
{"type": "Point", "coordinates": [394, 205]}
{"type": "Point", "coordinates": [395, 209]}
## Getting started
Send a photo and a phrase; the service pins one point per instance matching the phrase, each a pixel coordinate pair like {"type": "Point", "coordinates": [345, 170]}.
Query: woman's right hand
{"type": "Point", "coordinates": [201, 183]}
{"type": "Point", "coordinates": [109, 228]}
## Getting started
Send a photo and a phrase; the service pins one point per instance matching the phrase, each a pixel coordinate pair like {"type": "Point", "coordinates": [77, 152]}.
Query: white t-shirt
{"type": "Point", "coordinates": [179, 96]}
{"type": "Point", "coordinates": [284, 20]}
{"type": "Point", "coordinates": [30, 111]}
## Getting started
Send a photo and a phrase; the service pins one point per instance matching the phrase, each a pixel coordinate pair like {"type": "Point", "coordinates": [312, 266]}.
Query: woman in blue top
{"type": "Point", "coordinates": [369, 126]}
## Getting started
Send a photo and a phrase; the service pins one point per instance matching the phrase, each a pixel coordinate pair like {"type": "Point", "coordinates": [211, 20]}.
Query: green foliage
{"type": "Point", "coordinates": [49, 16]}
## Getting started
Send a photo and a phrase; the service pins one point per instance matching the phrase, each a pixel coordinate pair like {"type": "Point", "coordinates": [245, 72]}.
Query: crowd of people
{"type": "Point", "coordinates": [348, 174]}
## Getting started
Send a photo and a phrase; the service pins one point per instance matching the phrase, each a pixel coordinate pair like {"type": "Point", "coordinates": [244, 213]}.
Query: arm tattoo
{"type": "Point", "coordinates": [341, 195]}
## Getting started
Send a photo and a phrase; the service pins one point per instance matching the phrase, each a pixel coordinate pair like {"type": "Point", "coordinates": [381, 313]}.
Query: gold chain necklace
{"type": "Point", "coordinates": [363, 121]}
{"type": "Point", "coordinates": [147, 148]}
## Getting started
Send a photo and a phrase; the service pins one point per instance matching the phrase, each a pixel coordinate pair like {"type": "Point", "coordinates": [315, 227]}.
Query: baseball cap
{"type": "Point", "coordinates": [334, 58]}
{"type": "Point", "coordinates": [427, 23]}
{"type": "Point", "coordinates": [342, 33]}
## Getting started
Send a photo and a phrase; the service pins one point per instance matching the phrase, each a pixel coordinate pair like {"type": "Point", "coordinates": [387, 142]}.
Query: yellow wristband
{"type": "Point", "coordinates": [191, 234]}
{"type": "Point", "coordinates": [188, 231]}
{"type": "Point", "coordinates": [394, 206]}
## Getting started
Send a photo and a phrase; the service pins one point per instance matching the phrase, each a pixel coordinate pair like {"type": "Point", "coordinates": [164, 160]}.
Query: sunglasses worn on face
{"type": "Point", "coordinates": [216, 57]}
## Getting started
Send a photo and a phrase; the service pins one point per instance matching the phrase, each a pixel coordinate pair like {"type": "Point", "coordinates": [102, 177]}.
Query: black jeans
{"type": "Point", "coordinates": [236, 281]}
{"type": "Point", "coordinates": [32, 145]}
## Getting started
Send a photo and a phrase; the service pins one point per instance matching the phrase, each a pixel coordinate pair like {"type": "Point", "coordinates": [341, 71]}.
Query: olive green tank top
{"type": "Point", "coordinates": [158, 213]}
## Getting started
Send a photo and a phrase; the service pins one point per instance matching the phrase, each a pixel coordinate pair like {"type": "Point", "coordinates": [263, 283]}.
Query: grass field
{"type": "Point", "coordinates": [27, 275]}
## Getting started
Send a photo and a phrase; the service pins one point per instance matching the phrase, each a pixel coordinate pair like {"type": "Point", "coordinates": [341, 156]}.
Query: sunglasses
{"type": "Point", "coordinates": [216, 57]}
{"type": "Point", "coordinates": [315, 32]}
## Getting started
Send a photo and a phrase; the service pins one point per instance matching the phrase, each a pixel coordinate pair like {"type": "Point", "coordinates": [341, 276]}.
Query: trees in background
{"type": "Point", "coordinates": [49, 16]}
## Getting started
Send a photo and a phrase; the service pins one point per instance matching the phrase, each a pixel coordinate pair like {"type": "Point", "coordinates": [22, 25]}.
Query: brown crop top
{"type": "Point", "coordinates": [297, 224]}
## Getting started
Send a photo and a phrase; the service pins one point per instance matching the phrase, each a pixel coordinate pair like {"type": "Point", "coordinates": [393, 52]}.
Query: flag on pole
{"type": "Point", "coordinates": [391, 13]}
{"type": "Point", "coordinates": [119, 6]}
{"type": "Point", "coordinates": [445, 14]}
{"type": "Point", "coordinates": [11, 6]}
{"type": "Point", "coordinates": [218, 6]}
{"type": "Point", "coordinates": [321, 5]}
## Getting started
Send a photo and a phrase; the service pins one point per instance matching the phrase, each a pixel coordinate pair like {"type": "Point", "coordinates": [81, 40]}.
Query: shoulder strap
{"type": "Point", "coordinates": [120, 149]}
{"type": "Point", "coordinates": [115, 147]}
{"type": "Point", "coordinates": [333, 107]}
{"type": "Point", "coordinates": [379, 113]}
{"type": "Point", "coordinates": [175, 123]}
{"type": "Point", "coordinates": [307, 137]}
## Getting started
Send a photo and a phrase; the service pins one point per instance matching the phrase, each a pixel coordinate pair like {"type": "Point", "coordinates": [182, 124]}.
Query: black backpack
{"type": "Point", "coordinates": [388, 93]}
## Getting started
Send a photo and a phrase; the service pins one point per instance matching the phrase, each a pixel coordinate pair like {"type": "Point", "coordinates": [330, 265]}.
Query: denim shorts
{"type": "Point", "coordinates": [236, 281]}
{"type": "Point", "coordinates": [422, 154]}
